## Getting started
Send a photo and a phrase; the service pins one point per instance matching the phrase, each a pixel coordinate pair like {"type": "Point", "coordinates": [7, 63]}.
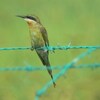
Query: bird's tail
{"type": "Point", "coordinates": [43, 55]}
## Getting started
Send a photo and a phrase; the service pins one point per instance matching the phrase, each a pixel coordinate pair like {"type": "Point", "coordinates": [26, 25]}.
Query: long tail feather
{"type": "Point", "coordinates": [43, 55]}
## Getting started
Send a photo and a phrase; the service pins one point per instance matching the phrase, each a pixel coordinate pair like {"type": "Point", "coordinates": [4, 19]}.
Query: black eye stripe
{"type": "Point", "coordinates": [30, 17]}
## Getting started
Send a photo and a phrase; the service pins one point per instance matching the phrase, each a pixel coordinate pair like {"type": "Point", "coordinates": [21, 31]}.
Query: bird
{"type": "Point", "coordinates": [39, 38]}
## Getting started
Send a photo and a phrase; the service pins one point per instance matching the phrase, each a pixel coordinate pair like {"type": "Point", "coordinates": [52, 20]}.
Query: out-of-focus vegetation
{"type": "Point", "coordinates": [75, 21]}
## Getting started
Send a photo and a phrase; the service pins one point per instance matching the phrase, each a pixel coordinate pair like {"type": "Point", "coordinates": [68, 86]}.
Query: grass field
{"type": "Point", "coordinates": [75, 21]}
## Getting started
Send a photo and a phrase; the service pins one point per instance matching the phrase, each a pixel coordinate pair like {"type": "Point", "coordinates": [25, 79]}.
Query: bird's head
{"type": "Point", "coordinates": [30, 18]}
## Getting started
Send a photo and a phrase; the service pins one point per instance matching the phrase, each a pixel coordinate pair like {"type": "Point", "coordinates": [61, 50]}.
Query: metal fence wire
{"type": "Point", "coordinates": [63, 69]}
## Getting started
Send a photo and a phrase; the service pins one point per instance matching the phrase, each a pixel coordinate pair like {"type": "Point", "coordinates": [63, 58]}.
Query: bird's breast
{"type": "Point", "coordinates": [37, 39]}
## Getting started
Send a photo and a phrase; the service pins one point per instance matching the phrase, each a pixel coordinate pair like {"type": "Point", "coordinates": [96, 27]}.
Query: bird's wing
{"type": "Point", "coordinates": [45, 36]}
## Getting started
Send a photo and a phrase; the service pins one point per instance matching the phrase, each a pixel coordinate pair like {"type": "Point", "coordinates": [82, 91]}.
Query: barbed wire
{"type": "Point", "coordinates": [62, 72]}
{"type": "Point", "coordinates": [33, 68]}
{"type": "Point", "coordinates": [63, 69]}
{"type": "Point", "coordinates": [52, 48]}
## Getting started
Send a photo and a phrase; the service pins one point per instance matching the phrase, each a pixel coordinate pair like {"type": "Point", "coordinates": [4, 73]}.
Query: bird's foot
{"type": "Point", "coordinates": [32, 48]}
{"type": "Point", "coordinates": [54, 84]}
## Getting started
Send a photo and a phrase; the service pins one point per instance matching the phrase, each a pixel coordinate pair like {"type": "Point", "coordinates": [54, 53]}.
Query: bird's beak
{"type": "Point", "coordinates": [20, 16]}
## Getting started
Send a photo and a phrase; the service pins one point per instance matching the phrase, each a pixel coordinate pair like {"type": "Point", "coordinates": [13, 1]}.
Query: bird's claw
{"type": "Point", "coordinates": [32, 48]}
{"type": "Point", "coordinates": [52, 51]}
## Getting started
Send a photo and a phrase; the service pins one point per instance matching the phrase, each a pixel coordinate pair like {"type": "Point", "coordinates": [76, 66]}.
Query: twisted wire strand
{"type": "Point", "coordinates": [34, 68]}
{"type": "Point", "coordinates": [62, 69]}
{"type": "Point", "coordinates": [62, 72]}
{"type": "Point", "coordinates": [52, 48]}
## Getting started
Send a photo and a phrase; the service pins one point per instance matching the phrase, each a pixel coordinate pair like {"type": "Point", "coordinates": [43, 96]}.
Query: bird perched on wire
{"type": "Point", "coordinates": [39, 38]}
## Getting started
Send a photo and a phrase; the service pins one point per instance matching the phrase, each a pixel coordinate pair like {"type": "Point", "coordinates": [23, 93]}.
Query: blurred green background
{"type": "Point", "coordinates": [75, 21]}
